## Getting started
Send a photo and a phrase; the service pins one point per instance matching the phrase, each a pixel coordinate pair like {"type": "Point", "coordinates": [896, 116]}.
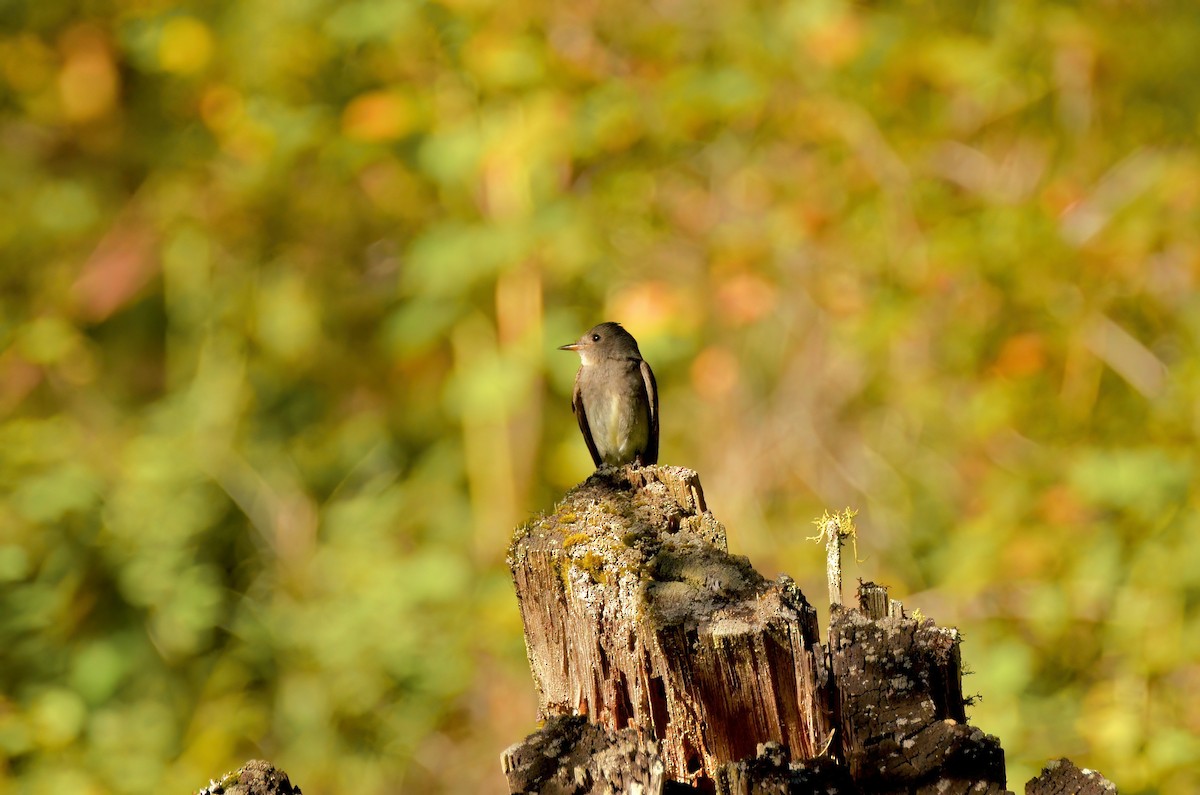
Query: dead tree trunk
{"type": "Point", "coordinates": [637, 617]}
{"type": "Point", "coordinates": [635, 614]}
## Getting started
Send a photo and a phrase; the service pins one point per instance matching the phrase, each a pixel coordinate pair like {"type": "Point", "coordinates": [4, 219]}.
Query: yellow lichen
{"type": "Point", "coordinates": [593, 564]}
{"type": "Point", "coordinates": [840, 525]}
{"type": "Point", "coordinates": [573, 539]}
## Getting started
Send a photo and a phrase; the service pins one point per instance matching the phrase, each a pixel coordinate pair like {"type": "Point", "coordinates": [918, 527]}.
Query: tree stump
{"type": "Point", "coordinates": [636, 614]}
{"type": "Point", "coordinates": [571, 756]}
{"type": "Point", "coordinates": [255, 777]}
{"type": "Point", "coordinates": [901, 710]}
{"type": "Point", "coordinates": [637, 617]}
{"type": "Point", "coordinates": [1062, 777]}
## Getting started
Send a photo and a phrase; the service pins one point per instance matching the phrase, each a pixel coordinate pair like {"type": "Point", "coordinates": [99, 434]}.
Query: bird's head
{"type": "Point", "coordinates": [605, 341]}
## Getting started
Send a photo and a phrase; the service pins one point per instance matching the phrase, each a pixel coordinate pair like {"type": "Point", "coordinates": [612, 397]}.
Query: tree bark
{"type": "Point", "coordinates": [901, 710]}
{"type": "Point", "coordinates": [637, 617]}
{"type": "Point", "coordinates": [1061, 777]}
{"type": "Point", "coordinates": [571, 756]}
{"type": "Point", "coordinates": [636, 614]}
{"type": "Point", "coordinates": [255, 777]}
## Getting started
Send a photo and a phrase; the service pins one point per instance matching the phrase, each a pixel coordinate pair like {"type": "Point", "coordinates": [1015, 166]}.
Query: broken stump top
{"type": "Point", "coordinates": [636, 614]}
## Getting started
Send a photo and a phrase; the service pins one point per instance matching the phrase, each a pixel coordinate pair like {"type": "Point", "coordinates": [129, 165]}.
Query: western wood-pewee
{"type": "Point", "coordinates": [615, 398]}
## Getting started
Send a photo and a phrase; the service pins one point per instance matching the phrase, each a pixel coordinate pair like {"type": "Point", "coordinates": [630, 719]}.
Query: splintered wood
{"type": "Point", "coordinates": [636, 614]}
{"type": "Point", "coordinates": [586, 758]}
{"type": "Point", "coordinates": [902, 718]}
{"type": "Point", "coordinates": [685, 668]}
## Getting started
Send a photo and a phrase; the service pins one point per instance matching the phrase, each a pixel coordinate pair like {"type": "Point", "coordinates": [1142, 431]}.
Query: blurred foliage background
{"type": "Point", "coordinates": [281, 285]}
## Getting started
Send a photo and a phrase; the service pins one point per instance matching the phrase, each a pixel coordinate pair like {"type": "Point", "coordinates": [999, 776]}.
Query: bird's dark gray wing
{"type": "Point", "coordinates": [581, 418]}
{"type": "Point", "coordinates": [650, 455]}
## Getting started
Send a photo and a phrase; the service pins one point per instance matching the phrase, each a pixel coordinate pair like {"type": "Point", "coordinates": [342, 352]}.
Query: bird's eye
{"type": "Point", "coordinates": [595, 338]}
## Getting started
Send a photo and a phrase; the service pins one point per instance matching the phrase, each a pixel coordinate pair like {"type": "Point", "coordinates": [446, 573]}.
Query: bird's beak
{"type": "Point", "coordinates": [574, 346]}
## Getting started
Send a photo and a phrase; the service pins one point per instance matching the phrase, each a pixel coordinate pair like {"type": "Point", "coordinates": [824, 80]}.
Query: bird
{"type": "Point", "coordinates": [615, 399]}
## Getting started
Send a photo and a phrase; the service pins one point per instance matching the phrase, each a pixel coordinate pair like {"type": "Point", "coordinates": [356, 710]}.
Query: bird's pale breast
{"type": "Point", "coordinates": [619, 420]}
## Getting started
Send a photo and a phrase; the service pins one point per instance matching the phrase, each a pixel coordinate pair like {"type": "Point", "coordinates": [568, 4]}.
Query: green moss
{"type": "Point", "coordinates": [523, 530]}
{"type": "Point", "coordinates": [574, 539]}
{"type": "Point", "coordinates": [593, 564]}
{"type": "Point", "coordinates": [632, 537]}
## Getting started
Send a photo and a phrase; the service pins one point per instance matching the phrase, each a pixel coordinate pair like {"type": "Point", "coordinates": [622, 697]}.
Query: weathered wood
{"type": "Point", "coordinates": [873, 600]}
{"type": "Point", "coordinates": [900, 708]}
{"type": "Point", "coordinates": [1062, 777]}
{"type": "Point", "coordinates": [771, 772]}
{"type": "Point", "coordinates": [636, 615]}
{"type": "Point", "coordinates": [570, 756]}
{"type": "Point", "coordinates": [256, 777]}
{"type": "Point", "coordinates": [835, 529]}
